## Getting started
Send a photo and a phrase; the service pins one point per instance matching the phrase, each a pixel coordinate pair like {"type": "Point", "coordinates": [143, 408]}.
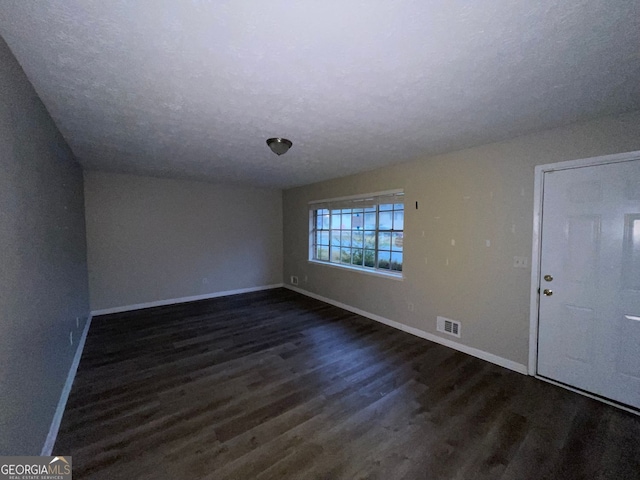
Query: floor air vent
{"type": "Point", "coordinates": [450, 327]}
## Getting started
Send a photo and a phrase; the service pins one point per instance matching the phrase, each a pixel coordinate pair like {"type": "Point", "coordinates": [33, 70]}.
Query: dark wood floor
{"type": "Point", "coordinates": [274, 385]}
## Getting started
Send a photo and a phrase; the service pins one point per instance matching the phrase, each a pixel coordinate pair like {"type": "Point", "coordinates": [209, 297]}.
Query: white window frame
{"type": "Point", "coordinates": [354, 201]}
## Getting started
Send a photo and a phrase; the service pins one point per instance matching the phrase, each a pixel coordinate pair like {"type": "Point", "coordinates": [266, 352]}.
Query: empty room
{"type": "Point", "coordinates": [320, 240]}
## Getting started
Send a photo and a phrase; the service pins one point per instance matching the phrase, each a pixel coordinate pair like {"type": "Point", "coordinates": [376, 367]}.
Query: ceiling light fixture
{"type": "Point", "coordinates": [279, 145]}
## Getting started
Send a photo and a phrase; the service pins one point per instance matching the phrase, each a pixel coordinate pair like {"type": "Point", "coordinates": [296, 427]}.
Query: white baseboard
{"type": "Point", "coordinates": [489, 357]}
{"type": "Point", "coordinates": [64, 396]}
{"type": "Point", "coordinates": [172, 301]}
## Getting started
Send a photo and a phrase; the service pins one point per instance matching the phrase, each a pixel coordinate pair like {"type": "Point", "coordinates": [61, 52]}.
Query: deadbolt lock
{"type": "Point", "coordinates": [548, 278]}
{"type": "Point", "coordinates": [547, 292]}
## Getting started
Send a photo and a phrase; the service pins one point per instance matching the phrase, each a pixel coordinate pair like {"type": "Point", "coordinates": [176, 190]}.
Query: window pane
{"type": "Point", "coordinates": [386, 206]}
{"type": "Point", "coordinates": [322, 221]}
{"type": "Point", "coordinates": [385, 220]}
{"type": "Point", "coordinates": [356, 256]}
{"type": "Point", "coordinates": [369, 221]}
{"type": "Point", "coordinates": [345, 238]}
{"type": "Point", "coordinates": [345, 255]}
{"type": "Point", "coordinates": [398, 220]}
{"type": "Point", "coordinates": [322, 253]}
{"type": "Point", "coordinates": [397, 241]}
{"type": "Point", "coordinates": [370, 239]}
{"type": "Point", "coordinates": [369, 258]}
{"type": "Point", "coordinates": [357, 221]}
{"type": "Point", "coordinates": [346, 221]}
{"type": "Point", "coordinates": [396, 261]}
{"type": "Point", "coordinates": [335, 219]}
{"type": "Point", "coordinates": [335, 237]}
{"type": "Point", "coordinates": [335, 254]}
{"type": "Point", "coordinates": [384, 241]}
{"type": "Point", "coordinates": [384, 260]}
{"type": "Point", "coordinates": [322, 238]}
{"type": "Point", "coordinates": [398, 206]}
{"type": "Point", "coordinates": [356, 238]}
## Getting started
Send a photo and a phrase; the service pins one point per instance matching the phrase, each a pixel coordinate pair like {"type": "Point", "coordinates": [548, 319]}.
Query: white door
{"type": "Point", "coordinates": [589, 313]}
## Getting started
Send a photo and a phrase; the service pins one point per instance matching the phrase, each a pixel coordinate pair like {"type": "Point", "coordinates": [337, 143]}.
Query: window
{"type": "Point", "coordinates": [365, 232]}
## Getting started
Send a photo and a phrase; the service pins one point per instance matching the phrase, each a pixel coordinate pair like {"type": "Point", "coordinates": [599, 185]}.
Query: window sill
{"type": "Point", "coordinates": [376, 273]}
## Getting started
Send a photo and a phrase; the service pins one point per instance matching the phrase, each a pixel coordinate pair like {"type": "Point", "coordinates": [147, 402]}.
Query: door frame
{"type": "Point", "coordinates": [538, 191]}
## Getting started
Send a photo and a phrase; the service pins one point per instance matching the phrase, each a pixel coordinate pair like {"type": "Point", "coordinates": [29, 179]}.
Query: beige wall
{"type": "Point", "coordinates": [152, 239]}
{"type": "Point", "coordinates": [43, 271]}
{"type": "Point", "coordinates": [471, 196]}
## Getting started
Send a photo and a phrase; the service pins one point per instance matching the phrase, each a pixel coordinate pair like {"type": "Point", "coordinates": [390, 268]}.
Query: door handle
{"type": "Point", "coordinates": [547, 292]}
{"type": "Point", "coordinates": [548, 278]}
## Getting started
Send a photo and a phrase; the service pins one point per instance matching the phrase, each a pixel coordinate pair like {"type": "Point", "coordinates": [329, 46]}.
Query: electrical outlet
{"type": "Point", "coordinates": [411, 307]}
{"type": "Point", "coordinates": [520, 262]}
{"type": "Point", "coordinates": [294, 280]}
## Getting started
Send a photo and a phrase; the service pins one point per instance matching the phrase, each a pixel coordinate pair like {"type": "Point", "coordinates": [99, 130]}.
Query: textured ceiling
{"type": "Point", "coordinates": [193, 88]}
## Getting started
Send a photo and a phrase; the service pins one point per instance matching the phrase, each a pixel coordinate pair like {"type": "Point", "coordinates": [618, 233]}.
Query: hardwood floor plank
{"type": "Point", "coordinates": [275, 385]}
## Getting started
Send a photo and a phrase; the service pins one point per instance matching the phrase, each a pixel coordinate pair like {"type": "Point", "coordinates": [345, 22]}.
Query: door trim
{"type": "Point", "coordinates": [540, 170]}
